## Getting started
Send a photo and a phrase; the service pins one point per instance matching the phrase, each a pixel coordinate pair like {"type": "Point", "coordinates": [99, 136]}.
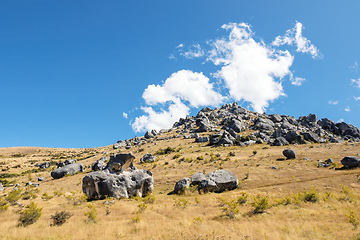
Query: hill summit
{"type": "Point", "coordinates": [229, 125]}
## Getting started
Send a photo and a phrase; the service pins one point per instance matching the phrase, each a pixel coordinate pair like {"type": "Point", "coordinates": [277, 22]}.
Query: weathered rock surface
{"type": "Point", "coordinates": [197, 178]}
{"type": "Point", "coordinates": [99, 165]}
{"type": "Point", "coordinates": [182, 185]}
{"type": "Point", "coordinates": [223, 179]}
{"type": "Point", "coordinates": [98, 185]}
{"type": "Point", "coordinates": [120, 162]}
{"type": "Point", "coordinates": [148, 158]}
{"type": "Point", "coordinates": [289, 154]}
{"type": "Point", "coordinates": [351, 162]}
{"type": "Point", "coordinates": [67, 169]}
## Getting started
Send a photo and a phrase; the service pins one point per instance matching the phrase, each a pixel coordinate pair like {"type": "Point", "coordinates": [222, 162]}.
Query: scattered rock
{"type": "Point", "coordinates": [40, 179]}
{"type": "Point", "coordinates": [350, 162]}
{"type": "Point", "coordinates": [289, 154]}
{"type": "Point", "coordinates": [181, 185]}
{"type": "Point", "coordinates": [99, 165]}
{"type": "Point", "coordinates": [148, 158]}
{"type": "Point", "coordinates": [67, 169]}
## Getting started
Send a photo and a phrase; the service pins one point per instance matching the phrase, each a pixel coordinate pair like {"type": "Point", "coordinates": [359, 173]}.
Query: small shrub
{"type": "Point", "coordinates": [3, 204]}
{"type": "Point", "coordinates": [142, 207]}
{"type": "Point", "coordinates": [311, 196]}
{"type": "Point", "coordinates": [30, 215]}
{"type": "Point", "coordinates": [198, 219]}
{"type": "Point", "coordinates": [283, 201]}
{"type": "Point", "coordinates": [46, 196]}
{"type": "Point", "coordinates": [91, 214]}
{"type": "Point", "coordinates": [242, 199]}
{"type": "Point", "coordinates": [176, 156]}
{"type": "Point", "coordinates": [14, 195]}
{"type": "Point", "coordinates": [353, 219]}
{"type": "Point", "coordinates": [260, 204]}
{"type": "Point", "coordinates": [149, 199]}
{"type": "Point", "coordinates": [59, 218]}
{"type": "Point", "coordinates": [77, 198]}
{"type": "Point", "coordinates": [181, 203]}
{"type": "Point", "coordinates": [254, 152]}
{"type": "Point", "coordinates": [229, 208]}
{"type": "Point", "coordinates": [231, 154]}
{"type": "Point", "coordinates": [137, 218]}
{"type": "Point", "coordinates": [30, 193]}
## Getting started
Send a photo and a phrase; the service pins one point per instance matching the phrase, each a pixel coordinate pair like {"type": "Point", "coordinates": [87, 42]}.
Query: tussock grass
{"type": "Point", "coordinates": [334, 214]}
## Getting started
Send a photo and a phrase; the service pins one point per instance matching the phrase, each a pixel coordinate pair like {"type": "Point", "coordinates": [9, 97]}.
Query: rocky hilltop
{"type": "Point", "coordinates": [234, 125]}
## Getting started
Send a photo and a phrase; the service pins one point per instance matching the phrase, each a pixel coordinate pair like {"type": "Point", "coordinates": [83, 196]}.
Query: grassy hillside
{"type": "Point", "coordinates": [304, 201]}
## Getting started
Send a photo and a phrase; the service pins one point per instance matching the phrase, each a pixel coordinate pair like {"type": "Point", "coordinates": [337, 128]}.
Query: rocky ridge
{"type": "Point", "coordinates": [233, 125]}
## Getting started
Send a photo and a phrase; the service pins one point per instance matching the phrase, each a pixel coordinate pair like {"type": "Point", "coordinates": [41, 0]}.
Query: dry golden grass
{"type": "Point", "coordinates": [196, 216]}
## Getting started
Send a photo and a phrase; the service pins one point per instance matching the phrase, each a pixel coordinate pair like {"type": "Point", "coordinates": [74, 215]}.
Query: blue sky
{"type": "Point", "coordinates": [89, 73]}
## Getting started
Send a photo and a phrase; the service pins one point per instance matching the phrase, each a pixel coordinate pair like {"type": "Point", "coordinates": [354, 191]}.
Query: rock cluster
{"type": "Point", "coordinates": [120, 178]}
{"type": "Point", "coordinates": [224, 126]}
{"type": "Point", "coordinates": [217, 181]}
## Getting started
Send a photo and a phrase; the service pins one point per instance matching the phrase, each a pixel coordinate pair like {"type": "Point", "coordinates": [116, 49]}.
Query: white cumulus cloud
{"type": "Point", "coordinates": [160, 119]}
{"type": "Point", "coordinates": [294, 36]}
{"type": "Point", "coordinates": [251, 70]}
{"type": "Point", "coordinates": [125, 115]}
{"type": "Point", "coordinates": [182, 86]}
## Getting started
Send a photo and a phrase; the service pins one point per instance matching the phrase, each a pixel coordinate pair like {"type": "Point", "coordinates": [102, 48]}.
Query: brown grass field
{"type": "Point", "coordinates": [334, 214]}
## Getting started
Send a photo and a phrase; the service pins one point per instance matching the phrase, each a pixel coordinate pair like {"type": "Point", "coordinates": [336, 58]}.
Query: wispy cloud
{"type": "Point", "coordinates": [347, 109]}
{"type": "Point", "coordinates": [125, 115]}
{"type": "Point", "coordinates": [333, 102]}
{"type": "Point", "coordinates": [297, 81]}
{"type": "Point", "coordinates": [357, 98]}
{"type": "Point", "coordinates": [294, 36]}
{"type": "Point", "coordinates": [354, 67]}
{"type": "Point", "coordinates": [356, 82]}
{"type": "Point", "coordinates": [194, 51]}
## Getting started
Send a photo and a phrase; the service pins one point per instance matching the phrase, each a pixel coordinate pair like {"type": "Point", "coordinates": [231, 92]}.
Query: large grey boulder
{"type": "Point", "coordinates": [289, 154]}
{"type": "Point", "coordinates": [101, 184]}
{"type": "Point", "coordinates": [67, 169]}
{"type": "Point", "coordinates": [351, 162]}
{"type": "Point", "coordinates": [312, 137]}
{"type": "Point", "coordinates": [197, 178]}
{"type": "Point", "coordinates": [148, 158]}
{"type": "Point", "coordinates": [99, 165]}
{"type": "Point", "coordinates": [223, 179]}
{"type": "Point", "coordinates": [236, 125]}
{"type": "Point", "coordinates": [120, 162]}
{"type": "Point", "coordinates": [294, 137]}
{"type": "Point", "coordinates": [182, 185]}
{"type": "Point", "coordinates": [275, 118]}
{"type": "Point", "coordinates": [150, 134]}
{"type": "Point", "coordinates": [264, 124]}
